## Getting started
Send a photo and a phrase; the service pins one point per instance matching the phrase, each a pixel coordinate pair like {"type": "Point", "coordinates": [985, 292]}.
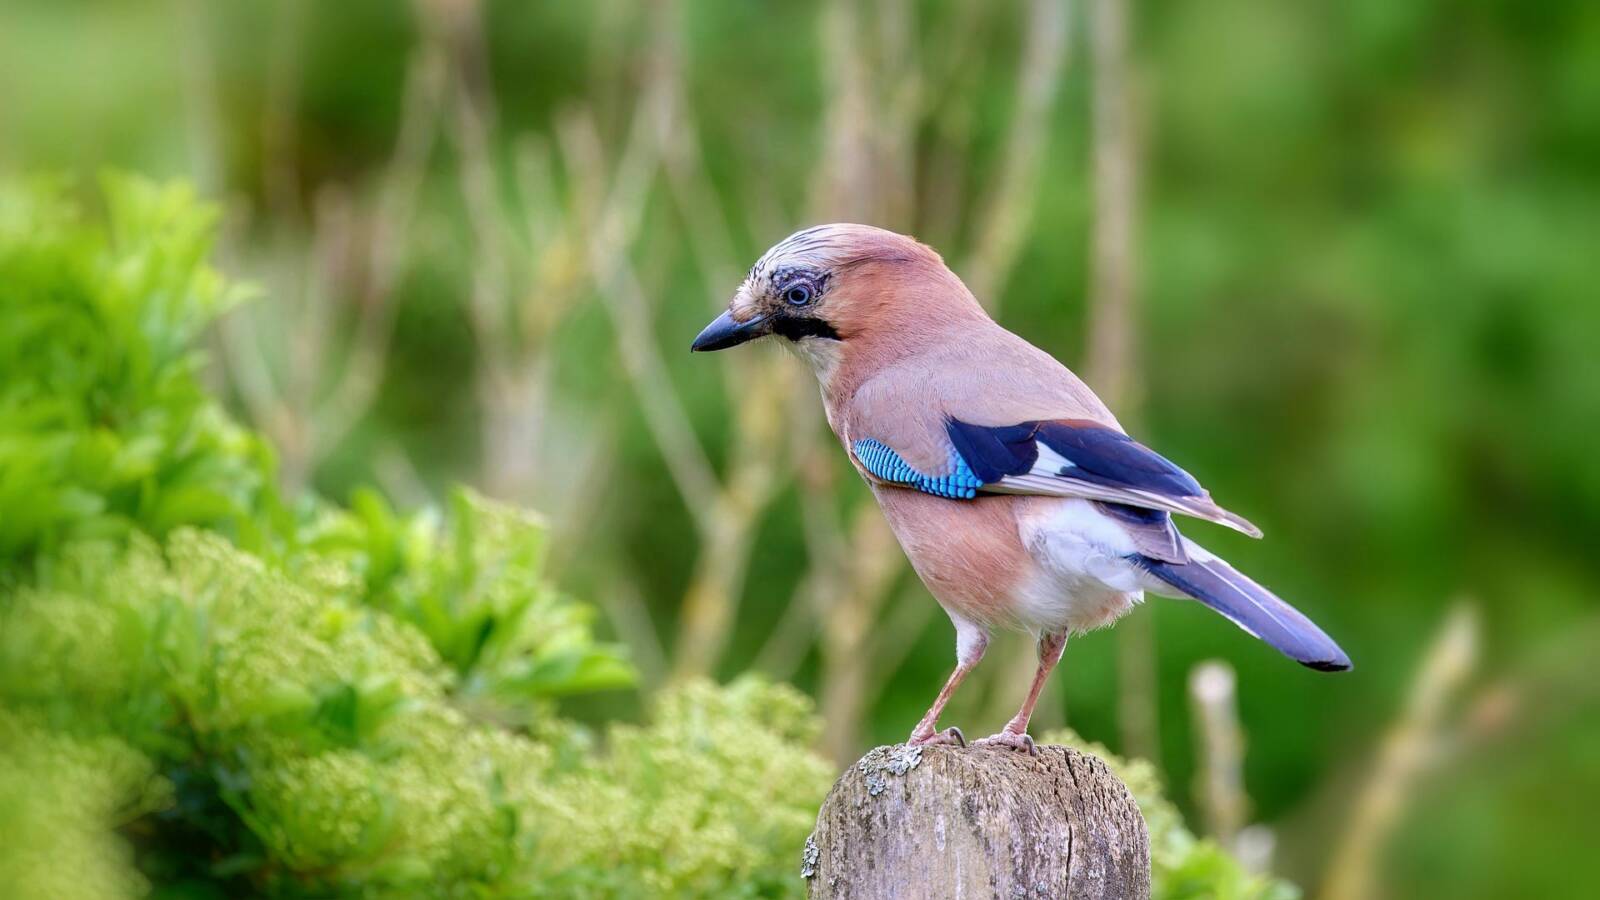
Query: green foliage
{"type": "Point", "coordinates": [322, 724]}
{"type": "Point", "coordinates": [58, 794]}
{"type": "Point", "coordinates": [104, 426]}
{"type": "Point", "coordinates": [325, 727]}
{"type": "Point", "coordinates": [1182, 866]}
{"type": "Point", "coordinates": [476, 590]}
{"type": "Point", "coordinates": [713, 799]}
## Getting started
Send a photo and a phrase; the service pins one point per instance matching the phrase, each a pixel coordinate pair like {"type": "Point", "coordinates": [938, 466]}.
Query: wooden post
{"type": "Point", "coordinates": [935, 822]}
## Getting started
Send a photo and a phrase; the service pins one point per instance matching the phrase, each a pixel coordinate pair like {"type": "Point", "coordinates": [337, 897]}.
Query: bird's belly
{"type": "Point", "coordinates": [1081, 578]}
{"type": "Point", "coordinates": [1036, 563]}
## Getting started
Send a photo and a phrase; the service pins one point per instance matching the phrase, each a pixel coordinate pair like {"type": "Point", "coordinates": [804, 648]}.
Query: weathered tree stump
{"type": "Point", "coordinates": [941, 821]}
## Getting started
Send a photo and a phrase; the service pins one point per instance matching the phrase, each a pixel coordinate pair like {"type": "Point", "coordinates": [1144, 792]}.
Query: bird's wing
{"type": "Point", "coordinates": [1075, 458]}
{"type": "Point", "coordinates": [1004, 418]}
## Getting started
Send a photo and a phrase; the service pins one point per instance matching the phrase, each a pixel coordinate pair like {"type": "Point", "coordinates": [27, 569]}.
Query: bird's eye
{"type": "Point", "coordinates": [798, 294]}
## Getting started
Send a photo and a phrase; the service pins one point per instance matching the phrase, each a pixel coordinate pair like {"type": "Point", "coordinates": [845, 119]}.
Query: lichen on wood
{"type": "Point", "coordinates": [938, 821]}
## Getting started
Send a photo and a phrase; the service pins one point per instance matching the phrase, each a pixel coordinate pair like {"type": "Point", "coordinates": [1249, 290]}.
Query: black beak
{"type": "Point", "coordinates": [725, 332]}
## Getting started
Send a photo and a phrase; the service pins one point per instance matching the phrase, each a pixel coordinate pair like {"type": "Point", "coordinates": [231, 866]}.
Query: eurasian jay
{"type": "Point", "coordinates": [1017, 497]}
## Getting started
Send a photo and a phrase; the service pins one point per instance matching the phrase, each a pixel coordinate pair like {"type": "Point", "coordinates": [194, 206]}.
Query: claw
{"type": "Point", "coordinates": [951, 736]}
{"type": "Point", "coordinates": [1009, 740]}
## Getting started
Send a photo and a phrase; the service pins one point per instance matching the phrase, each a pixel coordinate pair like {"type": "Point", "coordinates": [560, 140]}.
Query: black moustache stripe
{"type": "Point", "coordinates": [796, 327]}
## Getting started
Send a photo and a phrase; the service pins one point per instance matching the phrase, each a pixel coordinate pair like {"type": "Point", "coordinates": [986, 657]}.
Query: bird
{"type": "Point", "coordinates": [1017, 497]}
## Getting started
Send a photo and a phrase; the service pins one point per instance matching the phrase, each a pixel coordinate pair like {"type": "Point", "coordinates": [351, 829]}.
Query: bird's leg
{"type": "Point", "coordinates": [970, 644]}
{"type": "Point", "coordinates": [1015, 735]}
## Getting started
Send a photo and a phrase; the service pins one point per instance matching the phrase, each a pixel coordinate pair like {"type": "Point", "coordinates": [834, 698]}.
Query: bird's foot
{"type": "Point", "coordinates": [951, 736]}
{"type": "Point", "coordinates": [1015, 741]}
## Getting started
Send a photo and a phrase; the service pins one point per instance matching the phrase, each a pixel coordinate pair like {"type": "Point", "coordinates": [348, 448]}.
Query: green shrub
{"type": "Point", "coordinates": [104, 426]}
{"type": "Point", "coordinates": [326, 729]}
{"type": "Point", "coordinates": [58, 798]}
{"type": "Point", "coordinates": [476, 590]}
{"type": "Point", "coordinates": [714, 798]}
{"type": "Point", "coordinates": [321, 725]}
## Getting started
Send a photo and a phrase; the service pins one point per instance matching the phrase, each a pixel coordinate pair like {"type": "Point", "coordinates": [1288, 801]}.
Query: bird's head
{"type": "Point", "coordinates": [836, 291]}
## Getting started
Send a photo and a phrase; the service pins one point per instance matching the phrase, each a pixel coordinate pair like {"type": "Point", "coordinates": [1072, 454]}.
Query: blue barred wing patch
{"type": "Point", "coordinates": [1059, 458]}
{"type": "Point", "coordinates": [957, 482]}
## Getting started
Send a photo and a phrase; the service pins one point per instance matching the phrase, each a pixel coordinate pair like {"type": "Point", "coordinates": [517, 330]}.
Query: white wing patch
{"type": "Point", "coordinates": [1050, 463]}
{"type": "Point", "coordinates": [1052, 485]}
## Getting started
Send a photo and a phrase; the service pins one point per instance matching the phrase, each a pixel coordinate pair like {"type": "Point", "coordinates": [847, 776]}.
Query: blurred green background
{"type": "Point", "coordinates": [1354, 242]}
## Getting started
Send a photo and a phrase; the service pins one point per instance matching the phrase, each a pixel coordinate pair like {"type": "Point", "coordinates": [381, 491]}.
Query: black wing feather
{"type": "Point", "coordinates": [995, 452]}
{"type": "Point", "coordinates": [1096, 462]}
{"type": "Point", "coordinates": [1109, 457]}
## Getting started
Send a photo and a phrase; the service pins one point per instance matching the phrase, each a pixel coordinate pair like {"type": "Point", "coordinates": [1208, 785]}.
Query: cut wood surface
{"type": "Point", "coordinates": [935, 822]}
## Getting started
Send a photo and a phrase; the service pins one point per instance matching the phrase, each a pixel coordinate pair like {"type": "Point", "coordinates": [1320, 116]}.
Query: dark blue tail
{"type": "Point", "coordinates": [1251, 607]}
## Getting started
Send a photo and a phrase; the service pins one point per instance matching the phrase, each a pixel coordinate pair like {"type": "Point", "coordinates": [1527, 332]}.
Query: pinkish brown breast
{"type": "Point", "coordinates": [969, 553]}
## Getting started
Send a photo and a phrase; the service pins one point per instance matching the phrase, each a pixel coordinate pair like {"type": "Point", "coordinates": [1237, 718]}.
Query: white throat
{"type": "Point", "coordinates": [822, 354]}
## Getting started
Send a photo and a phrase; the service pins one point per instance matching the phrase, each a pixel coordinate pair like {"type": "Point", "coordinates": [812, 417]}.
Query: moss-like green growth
{"type": "Point", "coordinates": [59, 796]}
{"type": "Point", "coordinates": [714, 798]}
{"type": "Point", "coordinates": [328, 730]}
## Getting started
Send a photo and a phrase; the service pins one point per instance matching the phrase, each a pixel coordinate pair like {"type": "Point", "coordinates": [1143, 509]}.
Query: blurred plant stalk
{"type": "Point", "coordinates": [726, 508]}
{"type": "Point", "coordinates": [1214, 703]}
{"type": "Point", "coordinates": [529, 273]}
{"type": "Point", "coordinates": [1410, 747]}
{"type": "Point", "coordinates": [307, 376]}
